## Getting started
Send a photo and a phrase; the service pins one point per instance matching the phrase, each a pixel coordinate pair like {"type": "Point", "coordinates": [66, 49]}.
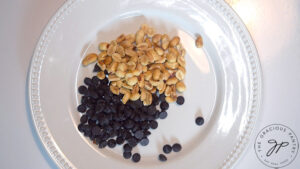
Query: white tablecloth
{"type": "Point", "coordinates": [273, 24]}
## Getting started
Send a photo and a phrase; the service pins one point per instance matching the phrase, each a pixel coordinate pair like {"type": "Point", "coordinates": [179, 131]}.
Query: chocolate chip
{"type": "Point", "coordinates": [136, 157]}
{"type": "Point", "coordinates": [176, 147]}
{"type": "Point", "coordinates": [162, 158]}
{"type": "Point", "coordinates": [180, 100]}
{"type": "Point", "coordinates": [167, 149]}
{"type": "Point", "coordinates": [199, 121]}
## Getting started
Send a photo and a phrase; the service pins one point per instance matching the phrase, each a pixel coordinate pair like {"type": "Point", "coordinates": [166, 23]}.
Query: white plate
{"type": "Point", "coordinates": [223, 82]}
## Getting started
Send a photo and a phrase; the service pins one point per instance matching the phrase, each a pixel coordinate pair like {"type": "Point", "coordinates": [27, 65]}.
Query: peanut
{"type": "Point", "coordinates": [180, 86]}
{"type": "Point", "coordinates": [103, 46]}
{"type": "Point", "coordinates": [120, 38]}
{"type": "Point", "coordinates": [90, 58]}
{"type": "Point", "coordinates": [172, 81]}
{"type": "Point", "coordinates": [159, 51]}
{"type": "Point", "coordinates": [156, 74]}
{"type": "Point", "coordinates": [112, 77]}
{"type": "Point", "coordinates": [175, 41]}
{"type": "Point", "coordinates": [139, 37]}
{"type": "Point", "coordinates": [101, 75]}
{"type": "Point", "coordinates": [165, 41]}
{"type": "Point", "coordinates": [102, 55]}
{"type": "Point", "coordinates": [122, 67]}
{"type": "Point", "coordinates": [116, 57]}
{"type": "Point", "coordinates": [199, 42]}
{"type": "Point", "coordinates": [132, 81]}
{"type": "Point", "coordinates": [114, 89]}
{"type": "Point", "coordinates": [180, 74]}
{"type": "Point", "coordinates": [170, 99]}
{"type": "Point", "coordinates": [156, 38]}
{"type": "Point", "coordinates": [120, 74]}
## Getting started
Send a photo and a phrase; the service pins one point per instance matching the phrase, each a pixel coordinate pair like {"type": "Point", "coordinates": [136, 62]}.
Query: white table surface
{"type": "Point", "coordinates": [273, 24]}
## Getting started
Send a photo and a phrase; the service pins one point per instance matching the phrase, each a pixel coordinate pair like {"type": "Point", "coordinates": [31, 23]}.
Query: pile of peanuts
{"type": "Point", "coordinates": [141, 64]}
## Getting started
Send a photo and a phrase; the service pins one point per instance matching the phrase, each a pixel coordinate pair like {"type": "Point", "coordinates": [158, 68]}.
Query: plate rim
{"type": "Point", "coordinates": [36, 65]}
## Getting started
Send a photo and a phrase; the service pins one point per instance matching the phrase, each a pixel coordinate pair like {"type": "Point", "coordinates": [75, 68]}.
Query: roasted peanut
{"type": "Point", "coordinates": [120, 74]}
{"type": "Point", "coordinates": [165, 41]}
{"type": "Point", "coordinates": [126, 86]}
{"type": "Point", "coordinates": [160, 85]}
{"type": "Point", "coordinates": [132, 81]}
{"type": "Point", "coordinates": [135, 96]}
{"type": "Point", "coordinates": [144, 60]}
{"type": "Point", "coordinates": [181, 61]}
{"type": "Point", "coordinates": [139, 37]}
{"type": "Point", "coordinates": [90, 58]}
{"type": "Point", "coordinates": [112, 77]}
{"type": "Point", "coordinates": [141, 81]}
{"type": "Point", "coordinates": [111, 49]}
{"type": "Point", "coordinates": [182, 52]}
{"type": "Point", "coordinates": [168, 90]}
{"type": "Point", "coordinates": [171, 65]}
{"type": "Point", "coordinates": [166, 75]}
{"type": "Point", "coordinates": [156, 38]}
{"type": "Point", "coordinates": [152, 55]}
{"type": "Point", "coordinates": [143, 94]}
{"type": "Point", "coordinates": [125, 98]}
{"type": "Point", "coordinates": [108, 60]}
{"type": "Point", "coordinates": [154, 83]}
{"type": "Point", "coordinates": [116, 57]}
{"type": "Point", "coordinates": [102, 55]}
{"type": "Point", "coordinates": [156, 74]}
{"type": "Point", "coordinates": [171, 58]}
{"type": "Point", "coordinates": [148, 99]}
{"type": "Point", "coordinates": [159, 51]}
{"type": "Point", "coordinates": [180, 74]}
{"type": "Point", "coordinates": [144, 69]}
{"type": "Point", "coordinates": [119, 83]}
{"type": "Point", "coordinates": [131, 65]}
{"type": "Point", "coordinates": [124, 90]}
{"type": "Point", "coordinates": [161, 60]}
{"type": "Point", "coordinates": [129, 74]}
{"type": "Point", "coordinates": [175, 41]}
{"type": "Point", "coordinates": [180, 86]}
{"type": "Point", "coordinates": [131, 53]}
{"type": "Point", "coordinates": [114, 89]}
{"type": "Point", "coordinates": [103, 46]}
{"type": "Point", "coordinates": [170, 99]}
{"type": "Point", "coordinates": [120, 38]}
{"type": "Point", "coordinates": [139, 67]}
{"type": "Point", "coordinates": [130, 37]}
{"type": "Point", "coordinates": [101, 75]}
{"type": "Point", "coordinates": [157, 66]}
{"type": "Point", "coordinates": [153, 90]}
{"type": "Point", "coordinates": [148, 85]}
{"type": "Point", "coordinates": [136, 72]}
{"type": "Point", "coordinates": [125, 59]}
{"type": "Point", "coordinates": [113, 67]}
{"type": "Point", "coordinates": [172, 81]}
{"type": "Point", "coordinates": [126, 44]}
{"type": "Point", "coordinates": [148, 41]}
{"type": "Point", "coordinates": [102, 65]}
{"type": "Point", "coordinates": [122, 67]}
{"type": "Point", "coordinates": [148, 75]}
{"type": "Point", "coordinates": [120, 50]}
{"type": "Point", "coordinates": [199, 42]}
{"type": "Point", "coordinates": [142, 46]}
{"type": "Point", "coordinates": [161, 91]}
{"type": "Point", "coordinates": [182, 69]}
{"type": "Point", "coordinates": [113, 83]}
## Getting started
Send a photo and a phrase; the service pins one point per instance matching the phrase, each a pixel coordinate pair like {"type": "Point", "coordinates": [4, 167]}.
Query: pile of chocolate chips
{"type": "Point", "coordinates": [108, 122]}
